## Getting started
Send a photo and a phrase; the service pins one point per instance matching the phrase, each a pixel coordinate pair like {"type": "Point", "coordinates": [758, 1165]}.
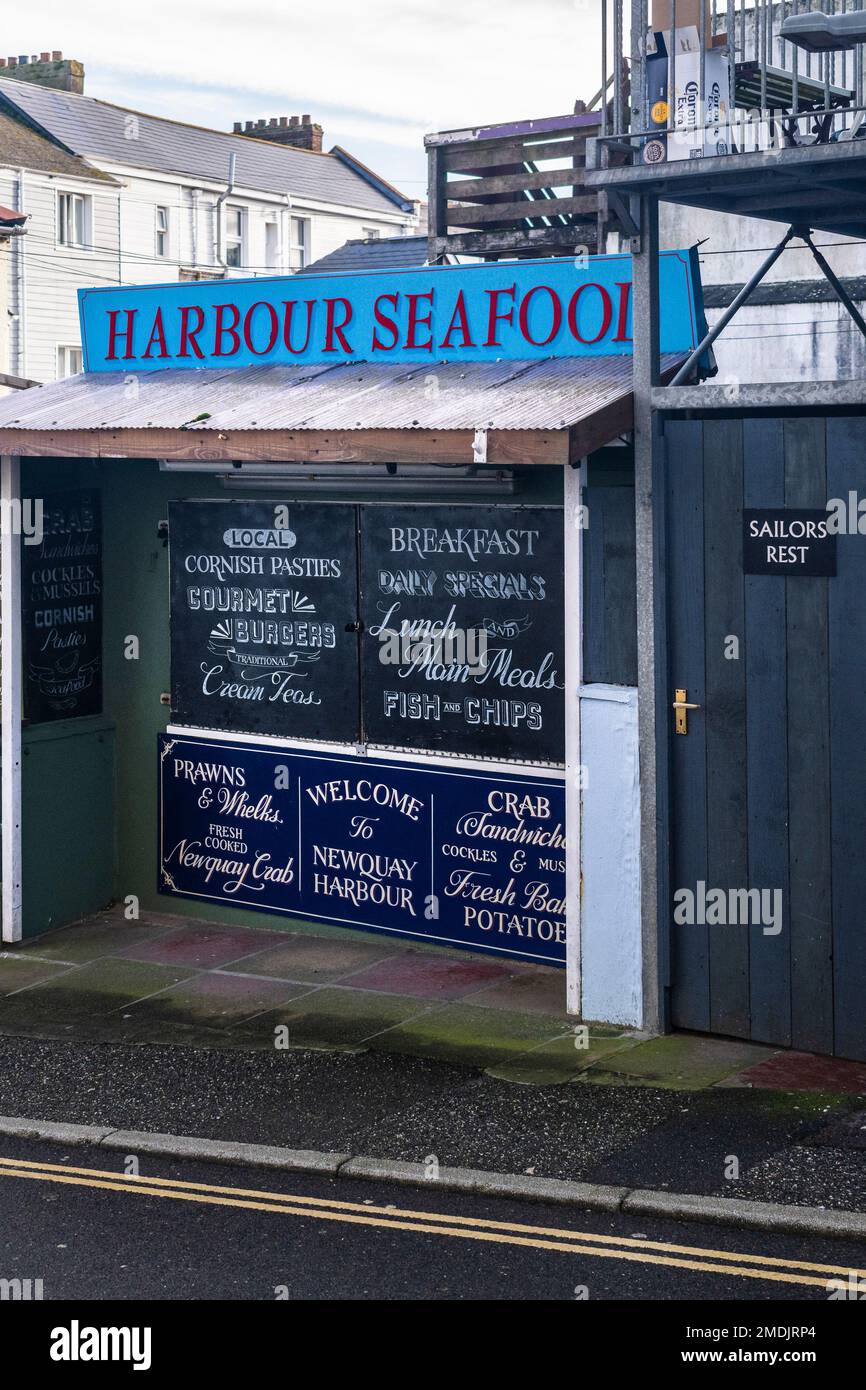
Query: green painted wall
{"type": "Point", "coordinates": [115, 840]}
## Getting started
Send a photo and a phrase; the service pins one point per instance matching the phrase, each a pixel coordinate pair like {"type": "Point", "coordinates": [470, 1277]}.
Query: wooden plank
{"type": "Point", "coordinates": [496, 156]}
{"type": "Point", "coordinates": [566, 177]}
{"type": "Point", "coordinates": [536, 128]}
{"type": "Point", "coordinates": [809, 760]}
{"type": "Point", "coordinates": [846, 471]}
{"type": "Point", "coordinates": [690, 974]}
{"type": "Point", "coordinates": [518, 241]}
{"type": "Point", "coordinates": [436, 224]}
{"type": "Point", "coordinates": [609, 610]}
{"type": "Point", "coordinates": [601, 427]}
{"type": "Point", "coordinates": [518, 211]}
{"type": "Point", "coordinates": [725, 719]}
{"type": "Point", "coordinates": [504, 447]}
{"type": "Point", "coordinates": [764, 658]}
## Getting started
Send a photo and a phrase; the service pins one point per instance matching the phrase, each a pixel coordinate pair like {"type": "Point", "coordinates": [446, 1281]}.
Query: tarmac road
{"type": "Point", "coordinates": [84, 1223]}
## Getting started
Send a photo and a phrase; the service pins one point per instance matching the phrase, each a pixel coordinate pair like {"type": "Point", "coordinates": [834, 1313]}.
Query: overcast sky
{"type": "Point", "coordinates": [377, 74]}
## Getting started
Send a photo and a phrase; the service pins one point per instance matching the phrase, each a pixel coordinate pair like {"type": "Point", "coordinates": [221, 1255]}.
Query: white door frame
{"type": "Point", "coordinates": [10, 695]}
{"type": "Point", "coordinates": [575, 478]}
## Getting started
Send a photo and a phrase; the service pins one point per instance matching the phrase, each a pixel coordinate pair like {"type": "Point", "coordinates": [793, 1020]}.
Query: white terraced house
{"type": "Point", "coordinates": [118, 196]}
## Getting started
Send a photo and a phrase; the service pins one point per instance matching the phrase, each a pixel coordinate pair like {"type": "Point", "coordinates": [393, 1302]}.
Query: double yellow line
{"type": "Point", "coordinates": [563, 1239]}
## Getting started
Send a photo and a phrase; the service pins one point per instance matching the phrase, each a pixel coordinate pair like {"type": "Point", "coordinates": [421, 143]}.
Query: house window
{"type": "Point", "coordinates": [162, 231]}
{"type": "Point", "coordinates": [70, 361]}
{"type": "Point", "coordinates": [272, 246]}
{"type": "Point", "coordinates": [73, 219]}
{"type": "Point", "coordinates": [299, 242]}
{"type": "Point", "coordinates": [235, 236]}
{"type": "Point", "coordinates": [372, 233]}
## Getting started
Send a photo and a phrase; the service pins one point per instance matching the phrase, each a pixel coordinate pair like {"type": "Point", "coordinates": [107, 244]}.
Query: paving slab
{"type": "Point", "coordinates": [87, 941]}
{"type": "Point", "coordinates": [331, 1018]}
{"type": "Point", "coordinates": [428, 976]}
{"type": "Point", "coordinates": [474, 1037]}
{"type": "Point", "coordinates": [678, 1061]}
{"type": "Point", "coordinates": [83, 995]}
{"type": "Point", "coordinates": [203, 948]}
{"type": "Point", "coordinates": [17, 972]}
{"type": "Point", "coordinates": [554, 1063]}
{"type": "Point", "coordinates": [802, 1071]}
{"type": "Point", "coordinates": [312, 960]}
{"type": "Point", "coordinates": [212, 1000]}
{"type": "Point", "coordinates": [536, 991]}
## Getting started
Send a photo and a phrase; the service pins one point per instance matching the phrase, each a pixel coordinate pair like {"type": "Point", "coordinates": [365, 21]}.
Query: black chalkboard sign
{"type": "Point", "coordinates": [463, 642]}
{"type": "Point", "coordinates": [264, 618]}
{"type": "Point", "coordinates": [788, 541]}
{"type": "Point", "coordinates": [62, 610]}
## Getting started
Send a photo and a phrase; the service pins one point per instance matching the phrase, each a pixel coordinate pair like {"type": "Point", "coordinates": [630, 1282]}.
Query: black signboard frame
{"type": "Point", "coordinates": [264, 620]}
{"type": "Point", "coordinates": [472, 571]}
{"type": "Point", "coordinates": [62, 588]}
{"type": "Point", "coordinates": [430, 574]}
{"type": "Point", "coordinates": [788, 541]}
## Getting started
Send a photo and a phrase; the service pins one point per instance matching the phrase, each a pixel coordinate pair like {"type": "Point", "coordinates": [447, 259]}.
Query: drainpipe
{"type": "Point", "coordinates": [21, 289]}
{"type": "Point", "coordinates": [218, 213]}
{"type": "Point", "coordinates": [285, 239]}
{"type": "Point", "coordinates": [194, 210]}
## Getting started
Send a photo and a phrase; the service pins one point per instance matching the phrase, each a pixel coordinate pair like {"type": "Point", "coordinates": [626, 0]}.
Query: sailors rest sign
{"type": "Point", "coordinates": [517, 310]}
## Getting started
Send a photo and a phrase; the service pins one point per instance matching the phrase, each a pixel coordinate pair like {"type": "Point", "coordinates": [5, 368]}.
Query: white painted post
{"type": "Point", "coordinates": [573, 518]}
{"type": "Point", "coordinates": [10, 697]}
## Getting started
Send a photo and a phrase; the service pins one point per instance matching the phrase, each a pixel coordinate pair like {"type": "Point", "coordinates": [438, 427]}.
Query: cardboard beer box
{"type": "Point", "coordinates": [655, 146]}
{"type": "Point", "coordinates": [700, 120]}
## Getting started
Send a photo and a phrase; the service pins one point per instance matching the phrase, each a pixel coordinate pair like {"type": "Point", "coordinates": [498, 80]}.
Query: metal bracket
{"type": "Point", "coordinates": [625, 214]}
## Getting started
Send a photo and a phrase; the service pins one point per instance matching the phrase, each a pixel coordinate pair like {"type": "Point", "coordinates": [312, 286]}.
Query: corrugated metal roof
{"type": "Point", "coordinates": [546, 395]}
{"type": "Point", "coordinates": [373, 253]}
{"type": "Point", "coordinates": [98, 130]}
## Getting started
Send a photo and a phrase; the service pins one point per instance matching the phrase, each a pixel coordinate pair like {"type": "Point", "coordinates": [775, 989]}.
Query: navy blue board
{"type": "Point", "coordinates": [463, 858]}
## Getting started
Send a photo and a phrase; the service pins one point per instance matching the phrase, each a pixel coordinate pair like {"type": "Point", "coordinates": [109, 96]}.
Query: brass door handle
{"type": "Point", "coordinates": [681, 705]}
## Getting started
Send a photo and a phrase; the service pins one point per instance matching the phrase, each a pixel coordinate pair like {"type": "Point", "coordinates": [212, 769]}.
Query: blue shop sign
{"type": "Point", "coordinates": [462, 858]}
{"type": "Point", "coordinates": [512, 310]}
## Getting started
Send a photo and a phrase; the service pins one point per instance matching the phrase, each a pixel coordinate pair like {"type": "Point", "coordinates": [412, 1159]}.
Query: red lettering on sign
{"type": "Point", "coordinates": [384, 322]}
{"type": "Point", "coordinates": [223, 330]}
{"type": "Point", "coordinates": [157, 335]}
{"type": "Point", "coordinates": [459, 319]}
{"type": "Point", "coordinates": [125, 334]}
{"type": "Point", "coordinates": [494, 317]}
{"type": "Point", "coordinates": [417, 321]}
{"type": "Point", "coordinates": [248, 327]}
{"type": "Point", "coordinates": [289, 305]}
{"type": "Point", "coordinates": [189, 336]}
{"type": "Point", "coordinates": [333, 329]}
{"type": "Point", "coordinates": [621, 336]}
{"type": "Point", "coordinates": [607, 313]}
{"type": "Point", "coordinates": [556, 316]}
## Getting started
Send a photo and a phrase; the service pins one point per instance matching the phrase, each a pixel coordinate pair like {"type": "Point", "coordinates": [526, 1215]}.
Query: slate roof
{"type": "Point", "coordinates": [373, 253]}
{"type": "Point", "coordinates": [21, 147]}
{"type": "Point", "coordinates": [98, 130]}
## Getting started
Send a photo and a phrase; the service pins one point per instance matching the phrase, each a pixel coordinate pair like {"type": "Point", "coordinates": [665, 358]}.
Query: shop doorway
{"type": "Point", "coordinates": [767, 640]}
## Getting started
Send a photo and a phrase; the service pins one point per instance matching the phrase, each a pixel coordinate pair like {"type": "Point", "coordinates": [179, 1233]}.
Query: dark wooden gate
{"type": "Point", "coordinates": [768, 786]}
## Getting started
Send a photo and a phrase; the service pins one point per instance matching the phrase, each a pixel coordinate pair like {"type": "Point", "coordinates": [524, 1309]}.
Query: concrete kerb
{"type": "Point", "coordinates": [677, 1206]}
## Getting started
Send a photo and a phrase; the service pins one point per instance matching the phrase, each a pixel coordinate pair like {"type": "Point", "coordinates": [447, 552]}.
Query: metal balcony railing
{"type": "Point", "coordinates": [780, 93]}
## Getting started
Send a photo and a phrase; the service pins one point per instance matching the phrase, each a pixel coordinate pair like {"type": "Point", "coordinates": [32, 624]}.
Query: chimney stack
{"type": "Point", "coordinates": [46, 69]}
{"type": "Point", "coordinates": [300, 131]}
